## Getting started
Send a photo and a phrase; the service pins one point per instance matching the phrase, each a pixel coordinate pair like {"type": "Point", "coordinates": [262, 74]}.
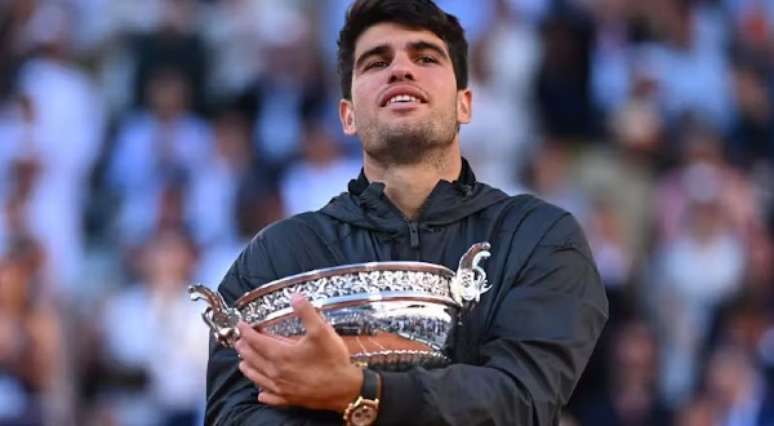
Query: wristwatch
{"type": "Point", "coordinates": [364, 410]}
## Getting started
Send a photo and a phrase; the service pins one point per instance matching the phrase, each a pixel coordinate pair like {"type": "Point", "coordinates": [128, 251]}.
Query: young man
{"type": "Point", "coordinates": [518, 354]}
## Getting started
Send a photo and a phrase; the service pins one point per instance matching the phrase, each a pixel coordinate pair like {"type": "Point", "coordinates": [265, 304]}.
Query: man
{"type": "Point", "coordinates": [517, 355]}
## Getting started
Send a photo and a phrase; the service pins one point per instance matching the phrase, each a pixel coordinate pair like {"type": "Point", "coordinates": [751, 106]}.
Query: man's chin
{"type": "Point", "coordinates": [398, 123]}
{"type": "Point", "coordinates": [404, 146]}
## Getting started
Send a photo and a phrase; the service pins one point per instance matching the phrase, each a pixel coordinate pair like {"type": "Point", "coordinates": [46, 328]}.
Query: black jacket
{"type": "Point", "coordinates": [519, 353]}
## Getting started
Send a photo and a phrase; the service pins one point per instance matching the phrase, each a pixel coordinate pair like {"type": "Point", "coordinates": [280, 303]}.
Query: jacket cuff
{"type": "Point", "coordinates": [401, 397]}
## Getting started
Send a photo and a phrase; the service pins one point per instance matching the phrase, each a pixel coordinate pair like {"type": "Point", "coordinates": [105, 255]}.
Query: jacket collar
{"type": "Point", "coordinates": [366, 204]}
{"type": "Point", "coordinates": [362, 187]}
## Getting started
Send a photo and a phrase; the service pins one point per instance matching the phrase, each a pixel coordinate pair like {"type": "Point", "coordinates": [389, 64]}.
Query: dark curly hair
{"type": "Point", "coordinates": [419, 14]}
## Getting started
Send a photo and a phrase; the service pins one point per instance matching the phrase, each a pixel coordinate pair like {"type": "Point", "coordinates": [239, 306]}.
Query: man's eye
{"type": "Point", "coordinates": [375, 64]}
{"type": "Point", "coordinates": [427, 60]}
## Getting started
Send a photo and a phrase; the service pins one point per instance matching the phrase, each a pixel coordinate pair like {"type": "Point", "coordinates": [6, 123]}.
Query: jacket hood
{"type": "Point", "coordinates": [366, 205]}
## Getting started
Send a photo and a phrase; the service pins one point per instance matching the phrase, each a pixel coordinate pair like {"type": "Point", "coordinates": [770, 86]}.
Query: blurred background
{"type": "Point", "coordinates": [144, 142]}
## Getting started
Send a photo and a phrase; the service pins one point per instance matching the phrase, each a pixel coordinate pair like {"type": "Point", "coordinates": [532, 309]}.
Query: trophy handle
{"type": "Point", "coordinates": [470, 282]}
{"type": "Point", "coordinates": [221, 319]}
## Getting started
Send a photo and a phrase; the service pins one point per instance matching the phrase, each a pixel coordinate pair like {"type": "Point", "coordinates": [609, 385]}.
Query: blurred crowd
{"type": "Point", "coordinates": [144, 142]}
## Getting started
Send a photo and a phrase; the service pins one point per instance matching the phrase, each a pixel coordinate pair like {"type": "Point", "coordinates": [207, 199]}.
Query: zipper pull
{"type": "Point", "coordinates": [414, 234]}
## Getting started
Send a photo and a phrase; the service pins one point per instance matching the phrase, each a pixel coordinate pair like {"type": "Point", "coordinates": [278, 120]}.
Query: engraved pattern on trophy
{"type": "Point", "coordinates": [391, 315]}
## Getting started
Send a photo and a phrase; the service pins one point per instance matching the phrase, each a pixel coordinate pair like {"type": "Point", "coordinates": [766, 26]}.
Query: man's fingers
{"type": "Point", "coordinates": [257, 377]}
{"type": "Point", "coordinates": [251, 356]}
{"type": "Point", "coordinates": [283, 339]}
{"type": "Point", "coordinates": [312, 320]}
{"type": "Point", "coordinates": [269, 398]}
{"type": "Point", "coordinates": [263, 344]}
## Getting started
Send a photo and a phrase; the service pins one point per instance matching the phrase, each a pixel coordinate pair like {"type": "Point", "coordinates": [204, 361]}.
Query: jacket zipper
{"type": "Point", "coordinates": [414, 234]}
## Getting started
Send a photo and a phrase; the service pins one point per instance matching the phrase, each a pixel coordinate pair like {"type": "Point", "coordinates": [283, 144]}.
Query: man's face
{"type": "Point", "coordinates": [405, 101]}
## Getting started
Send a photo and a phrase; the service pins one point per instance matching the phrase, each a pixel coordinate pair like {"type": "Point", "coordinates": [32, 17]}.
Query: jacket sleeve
{"type": "Point", "coordinates": [532, 355]}
{"type": "Point", "coordinates": [232, 399]}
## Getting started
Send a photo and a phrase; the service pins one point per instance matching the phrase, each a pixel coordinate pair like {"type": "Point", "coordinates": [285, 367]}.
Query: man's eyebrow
{"type": "Point", "coordinates": [379, 50]}
{"type": "Point", "coordinates": [426, 45]}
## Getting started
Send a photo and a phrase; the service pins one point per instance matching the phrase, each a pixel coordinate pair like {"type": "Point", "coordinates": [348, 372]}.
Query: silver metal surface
{"type": "Point", "coordinates": [221, 319]}
{"type": "Point", "coordinates": [393, 315]}
{"type": "Point", "coordinates": [425, 322]}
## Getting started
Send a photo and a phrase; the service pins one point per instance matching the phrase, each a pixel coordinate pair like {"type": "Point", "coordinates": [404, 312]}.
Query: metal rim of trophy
{"type": "Point", "coordinates": [292, 280]}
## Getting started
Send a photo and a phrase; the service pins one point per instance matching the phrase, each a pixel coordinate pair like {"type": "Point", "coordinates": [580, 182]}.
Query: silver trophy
{"type": "Point", "coordinates": [391, 315]}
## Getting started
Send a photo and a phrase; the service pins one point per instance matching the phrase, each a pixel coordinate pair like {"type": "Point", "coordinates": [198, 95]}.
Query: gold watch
{"type": "Point", "coordinates": [364, 410]}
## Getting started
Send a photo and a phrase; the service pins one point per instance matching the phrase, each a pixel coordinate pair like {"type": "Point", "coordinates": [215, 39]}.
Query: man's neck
{"type": "Point", "coordinates": [409, 185]}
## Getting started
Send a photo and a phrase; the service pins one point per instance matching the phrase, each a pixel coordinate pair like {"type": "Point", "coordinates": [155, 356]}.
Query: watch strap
{"type": "Point", "coordinates": [371, 388]}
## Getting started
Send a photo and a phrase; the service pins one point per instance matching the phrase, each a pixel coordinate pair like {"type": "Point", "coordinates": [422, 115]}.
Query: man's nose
{"type": "Point", "coordinates": [401, 70]}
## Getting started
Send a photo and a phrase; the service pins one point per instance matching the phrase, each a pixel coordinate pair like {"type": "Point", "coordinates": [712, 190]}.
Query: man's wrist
{"type": "Point", "coordinates": [364, 410]}
{"type": "Point", "coordinates": [353, 385]}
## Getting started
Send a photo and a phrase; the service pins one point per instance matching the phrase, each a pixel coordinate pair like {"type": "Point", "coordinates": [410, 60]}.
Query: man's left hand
{"type": "Point", "coordinates": [313, 372]}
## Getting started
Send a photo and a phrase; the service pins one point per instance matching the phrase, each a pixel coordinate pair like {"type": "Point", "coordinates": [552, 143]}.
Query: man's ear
{"type": "Point", "coordinates": [347, 117]}
{"type": "Point", "coordinates": [464, 106]}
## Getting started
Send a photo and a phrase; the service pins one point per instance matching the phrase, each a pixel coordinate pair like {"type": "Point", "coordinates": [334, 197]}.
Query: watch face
{"type": "Point", "coordinates": [364, 414]}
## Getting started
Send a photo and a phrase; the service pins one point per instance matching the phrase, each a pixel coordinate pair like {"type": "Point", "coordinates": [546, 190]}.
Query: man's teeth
{"type": "Point", "coordinates": [402, 98]}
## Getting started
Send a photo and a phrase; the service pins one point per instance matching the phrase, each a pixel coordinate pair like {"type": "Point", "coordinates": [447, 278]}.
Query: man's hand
{"type": "Point", "coordinates": [313, 372]}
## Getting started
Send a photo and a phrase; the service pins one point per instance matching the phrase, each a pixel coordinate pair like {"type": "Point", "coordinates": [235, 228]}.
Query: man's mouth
{"type": "Point", "coordinates": [403, 96]}
{"type": "Point", "coordinates": [403, 99]}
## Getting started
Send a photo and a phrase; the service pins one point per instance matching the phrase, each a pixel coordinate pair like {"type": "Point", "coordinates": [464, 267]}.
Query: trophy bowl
{"type": "Point", "coordinates": [391, 315]}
